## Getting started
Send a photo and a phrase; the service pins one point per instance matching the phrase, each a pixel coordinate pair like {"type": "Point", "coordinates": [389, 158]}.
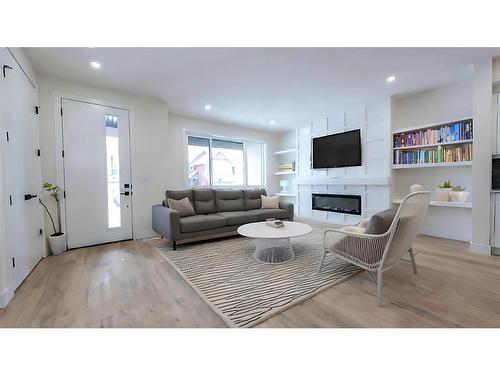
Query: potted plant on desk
{"type": "Point", "coordinates": [57, 240]}
{"type": "Point", "coordinates": [458, 194]}
{"type": "Point", "coordinates": [443, 191]}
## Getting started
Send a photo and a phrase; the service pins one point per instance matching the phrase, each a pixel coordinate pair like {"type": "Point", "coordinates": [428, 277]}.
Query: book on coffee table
{"type": "Point", "coordinates": [275, 223]}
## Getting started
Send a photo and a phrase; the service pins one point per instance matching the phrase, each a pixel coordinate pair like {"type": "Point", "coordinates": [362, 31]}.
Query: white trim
{"type": "Point", "coordinates": [442, 204]}
{"type": "Point", "coordinates": [58, 145]}
{"type": "Point", "coordinates": [433, 165]}
{"type": "Point", "coordinates": [5, 297]}
{"type": "Point", "coordinates": [344, 180]}
{"type": "Point", "coordinates": [480, 248]}
{"type": "Point", "coordinates": [281, 152]}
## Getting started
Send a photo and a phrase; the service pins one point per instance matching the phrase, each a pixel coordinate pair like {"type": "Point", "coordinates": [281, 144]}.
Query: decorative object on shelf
{"type": "Point", "coordinates": [416, 187]}
{"type": "Point", "coordinates": [287, 166]}
{"type": "Point", "coordinates": [57, 240]}
{"type": "Point", "coordinates": [458, 194]}
{"type": "Point", "coordinates": [284, 184]}
{"type": "Point", "coordinates": [443, 191]}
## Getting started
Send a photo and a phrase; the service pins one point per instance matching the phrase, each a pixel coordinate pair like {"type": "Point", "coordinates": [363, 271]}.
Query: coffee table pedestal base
{"type": "Point", "coordinates": [270, 250]}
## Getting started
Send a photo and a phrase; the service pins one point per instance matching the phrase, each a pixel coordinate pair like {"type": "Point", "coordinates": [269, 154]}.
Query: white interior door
{"type": "Point", "coordinates": [97, 183]}
{"type": "Point", "coordinates": [22, 170]}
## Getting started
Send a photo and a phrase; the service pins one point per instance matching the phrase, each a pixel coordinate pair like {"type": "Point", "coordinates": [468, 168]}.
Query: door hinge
{"type": "Point", "coordinates": [8, 138]}
{"type": "Point", "coordinates": [37, 108]}
{"type": "Point", "coordinates": [6, 67]}
{"type": "Point", "coordinates": [61, 112]}
{"type": "Point", "coordinates": [10, 200]}
{"type": "Point", "coordinates": [13, 262]}
{"type": "Point", "coordinates": [64, 193]}
{"type": "Point", "coordinates": [41, 231]}
{"type": "Point", "coordinates": [62, 153]}
{"type": "Point", "coordinates": [38, 153]}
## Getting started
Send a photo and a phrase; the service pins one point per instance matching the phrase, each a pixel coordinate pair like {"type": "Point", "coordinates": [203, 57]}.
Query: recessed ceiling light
{"type": "Point", "coordinates": [95, 65]}
{"type": "Point", "coordinates": [208, 107]}
{"type": "Point", "coordinates": [391, 79]}
{"type": "Point", "coordinates": [272, 122]}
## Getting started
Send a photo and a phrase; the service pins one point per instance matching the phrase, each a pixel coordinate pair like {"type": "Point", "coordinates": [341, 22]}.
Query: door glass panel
{"type": "Point", "coordinates": [199, 161]}
{"type": "Point", "coordinates": [227, 159]}
{"type": "Point", "coordinates": [113, 171]}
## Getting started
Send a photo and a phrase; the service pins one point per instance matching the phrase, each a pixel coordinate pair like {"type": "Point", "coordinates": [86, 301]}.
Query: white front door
{"type": "Point", "coordinates": [21, 169]}
{"type": "Point", "coordinates": [97, 183]}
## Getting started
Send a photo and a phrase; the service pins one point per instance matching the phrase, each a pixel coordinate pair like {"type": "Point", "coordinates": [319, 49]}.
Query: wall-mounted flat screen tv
{"type": "Point", "coordinates": [337, 150]}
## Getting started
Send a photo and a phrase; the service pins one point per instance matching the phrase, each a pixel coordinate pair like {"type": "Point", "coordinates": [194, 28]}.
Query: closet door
{"type": "Point", "coordinates": [21, 171]}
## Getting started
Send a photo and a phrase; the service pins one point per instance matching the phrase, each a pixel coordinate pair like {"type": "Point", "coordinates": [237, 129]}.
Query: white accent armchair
{"type": "Point", "coordinates": [380, 252]}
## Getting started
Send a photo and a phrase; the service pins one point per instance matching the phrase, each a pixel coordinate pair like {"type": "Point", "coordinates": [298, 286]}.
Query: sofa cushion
{"type": "Point", "coordinates": [270, 202]}
{"type": "Point", "coordinates": [182, 206]}
{"type": "Point", "coordinates": [229, 200]}
{"type": "Point", "coordinates": [239, 217]}
{"type": "Point", "coordinates": [204, 201]}
{"type": "Point", "coordinates": [252, 198]}
{"type": "Point", "coordinates": [381, 222]}
{"type": "Point", "coordinates": [268, 213]}
{"type": "Point", "coordinates": [201, 222]}
{"type": "Point", "coordinates": [179, 194]}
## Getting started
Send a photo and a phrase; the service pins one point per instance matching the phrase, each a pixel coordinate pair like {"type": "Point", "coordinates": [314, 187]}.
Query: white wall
{"type": "Point", "coordinates": [157, 142]}
{"type": "Point", "coordinates": [481, 170]}
{"type": "Point", "coordinates": [152, 165]}
{"type": "Point", "coordinates": [440, 105]}
{"type": "Point", "coordinates": [177, 125]}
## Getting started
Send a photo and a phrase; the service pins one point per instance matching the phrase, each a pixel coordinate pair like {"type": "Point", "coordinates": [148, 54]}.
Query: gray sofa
{"type": "Point", "coordinates": [217, 211]}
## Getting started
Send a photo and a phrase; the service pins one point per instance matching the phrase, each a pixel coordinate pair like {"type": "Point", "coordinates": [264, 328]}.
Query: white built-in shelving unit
{"type": "Point", "coordinates": [442, 203]}
{"type": "Point", "coordinates": [449, 144]}
{"type": "Point", "coordinates": [287, 154]}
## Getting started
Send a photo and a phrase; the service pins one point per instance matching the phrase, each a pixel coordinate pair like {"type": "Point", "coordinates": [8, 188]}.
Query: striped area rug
{"type": "Point", "coordinates": [245, 292]}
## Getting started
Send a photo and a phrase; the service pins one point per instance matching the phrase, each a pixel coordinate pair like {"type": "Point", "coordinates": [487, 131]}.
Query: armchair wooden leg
{"type": "Point", "coordinates": [321, 261]}
{"type": "Point", "coordinates": [174, 245]}
{"type": "Point", "coordinates": [380, 288]}
{"type": "Point", "coordinates": [413, 263]}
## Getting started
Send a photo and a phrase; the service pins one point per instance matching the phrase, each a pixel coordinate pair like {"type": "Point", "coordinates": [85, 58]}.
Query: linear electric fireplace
{"type": "Point", "coordinates": [341, 203]}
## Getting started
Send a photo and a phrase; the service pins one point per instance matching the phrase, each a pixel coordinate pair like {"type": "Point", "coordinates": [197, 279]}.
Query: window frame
{"type": "Point", "coordinates": [210, 138]}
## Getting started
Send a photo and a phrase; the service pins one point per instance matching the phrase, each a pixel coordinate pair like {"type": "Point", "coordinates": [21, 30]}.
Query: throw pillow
{"type": "Point", "coordinates": [270, 202]}
{"type": "Point", "coordinates": [381, 222]}
{"type": "Point", "coordinates": [183, 206]}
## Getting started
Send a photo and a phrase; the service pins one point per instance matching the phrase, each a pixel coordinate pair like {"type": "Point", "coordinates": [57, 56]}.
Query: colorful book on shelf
{"type": "Point", "coordinates": [454, 132]}
{"type": "Point", "coordinates": [440, 154]}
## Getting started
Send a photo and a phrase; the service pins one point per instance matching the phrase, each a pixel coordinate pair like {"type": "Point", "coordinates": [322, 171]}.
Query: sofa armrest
{"type": "Point", "coordinates": [289, 207]}
{"type": "Point", "coordinates": [166, 222]}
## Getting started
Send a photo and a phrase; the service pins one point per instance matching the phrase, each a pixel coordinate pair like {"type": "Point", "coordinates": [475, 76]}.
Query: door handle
{"type": "Point", "coordinates": [125, 193]}
{"type": "Point", "coordinates": [27, 197]}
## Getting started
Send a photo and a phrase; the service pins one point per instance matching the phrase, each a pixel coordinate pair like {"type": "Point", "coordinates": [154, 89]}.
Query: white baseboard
{"type": "Point", "coordinates": [5, 297]}
{"type": "Point", "coordinates": [480, 248]}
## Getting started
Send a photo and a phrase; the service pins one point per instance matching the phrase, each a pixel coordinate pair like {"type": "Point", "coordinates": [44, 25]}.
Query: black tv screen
{"type": "Point", "coordinates": [337, 150]}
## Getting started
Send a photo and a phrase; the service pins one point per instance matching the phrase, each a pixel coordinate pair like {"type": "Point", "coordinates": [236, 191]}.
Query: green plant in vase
{"type": "Point", "coordinates": [443, 191]}
{"type": "Point", "coordinates": [458, 194]}
{"type": "Point", "coordinates": [57, 240]}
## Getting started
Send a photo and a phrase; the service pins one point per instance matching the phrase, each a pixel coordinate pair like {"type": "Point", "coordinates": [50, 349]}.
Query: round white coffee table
{"type": "Point", "coordinates": [273, 245]}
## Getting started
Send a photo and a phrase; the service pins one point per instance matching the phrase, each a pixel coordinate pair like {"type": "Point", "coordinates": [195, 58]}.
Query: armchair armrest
{"type": "Point", "coordinates": [289, 207]}
{"type": "Point", "coordinates": [166, 222]}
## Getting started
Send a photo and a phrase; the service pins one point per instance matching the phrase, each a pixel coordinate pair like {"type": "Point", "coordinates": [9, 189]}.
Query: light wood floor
{"type": "Point", "coordinates": [129, 285]}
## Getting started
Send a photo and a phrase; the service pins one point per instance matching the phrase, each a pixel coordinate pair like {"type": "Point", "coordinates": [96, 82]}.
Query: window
{"type": "Point", "coordinates": [225, 162]}
{"type": "Point", "coordinates": [113, 169]}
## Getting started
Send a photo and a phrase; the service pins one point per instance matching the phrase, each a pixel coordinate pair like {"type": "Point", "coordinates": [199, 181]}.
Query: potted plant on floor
{"type": "Point", "coordinates": [458, 194]}
{"type": "Point", "coordinates": [443, 191]}
{"type": "Point", "coordinates": [57, 240]}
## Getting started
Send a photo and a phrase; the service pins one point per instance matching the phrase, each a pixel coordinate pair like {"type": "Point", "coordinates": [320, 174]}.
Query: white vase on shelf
{"type": "Point", "coordinates": [459, 196]}
{"type": "Point", "coordinates": [443, 194]}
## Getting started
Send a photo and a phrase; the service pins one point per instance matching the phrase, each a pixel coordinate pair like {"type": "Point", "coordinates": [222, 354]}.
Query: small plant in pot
{"type": "Point", "coordinates": [57, 240]}
{"type": "Point", "coordinates": [443, 191]}
{"type": "Point", "coordinates": [458, 194]}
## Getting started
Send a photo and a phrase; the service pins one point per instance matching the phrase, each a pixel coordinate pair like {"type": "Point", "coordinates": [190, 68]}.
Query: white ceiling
{"type": "Point", "coordinates": [251, 86]}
